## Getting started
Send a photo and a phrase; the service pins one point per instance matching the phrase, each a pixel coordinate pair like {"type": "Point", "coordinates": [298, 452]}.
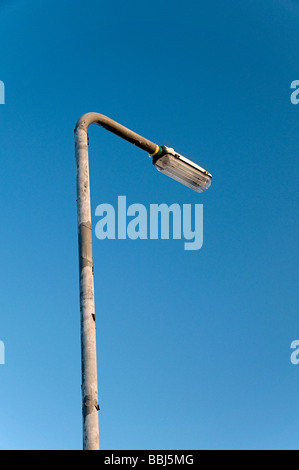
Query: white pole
{"type": "Point", "coordinates": [87, 304]}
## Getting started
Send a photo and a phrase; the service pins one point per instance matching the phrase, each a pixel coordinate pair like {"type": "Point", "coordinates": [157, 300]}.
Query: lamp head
{"type": "Point", "coordinates": [181, 169]}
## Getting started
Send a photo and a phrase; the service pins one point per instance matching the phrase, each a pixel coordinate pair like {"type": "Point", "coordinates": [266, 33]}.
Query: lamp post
{"type": "Point", "coordinates": [167, 161]}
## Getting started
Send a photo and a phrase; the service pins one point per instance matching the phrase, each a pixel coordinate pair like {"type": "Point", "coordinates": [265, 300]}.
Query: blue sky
{"type": "Point", "coordinates": [194, 346]}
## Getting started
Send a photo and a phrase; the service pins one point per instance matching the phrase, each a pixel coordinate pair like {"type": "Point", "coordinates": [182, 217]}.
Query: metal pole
{"type": "Point", "coordinates": [87, 307]}
{"type": "Point", "coordinates": [87, 304]}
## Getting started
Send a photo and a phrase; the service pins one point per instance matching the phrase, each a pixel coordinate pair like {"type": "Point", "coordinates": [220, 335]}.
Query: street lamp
{"type": "Point", "coordinates": [167, 161]}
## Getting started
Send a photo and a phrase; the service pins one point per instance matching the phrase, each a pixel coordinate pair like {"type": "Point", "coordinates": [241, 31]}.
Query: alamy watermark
{"type": "Point", "coordinates": [137, 222]}
{"type": "Point", "coordinates": [295, 94]}
{"type": "Point", "coordinates": [2, 353]}
{"type": "Point", "coordinates": [295, 353]}
{"type": "Point", "coordinates": [2, 93]}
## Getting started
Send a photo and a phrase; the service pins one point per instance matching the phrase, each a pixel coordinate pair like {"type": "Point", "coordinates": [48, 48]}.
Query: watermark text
{"type": "Point", "coordinates": [295, 94]}
{"type": "Point", "coordinates": [2, 93]}
{"type": "Point", "coordinates": [295, 353]}
{"type": "Point", "coordinates": [161, 221]}
{"type": "Point", "coordinates": [2, 353]}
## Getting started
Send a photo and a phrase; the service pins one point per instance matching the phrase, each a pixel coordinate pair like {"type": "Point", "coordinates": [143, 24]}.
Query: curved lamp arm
{"type": "Point", "coordinates": [95, 118]}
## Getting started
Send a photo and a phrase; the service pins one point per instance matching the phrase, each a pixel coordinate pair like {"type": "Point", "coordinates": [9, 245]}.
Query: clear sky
{"type": "Point", "coordinates": [194, 346]}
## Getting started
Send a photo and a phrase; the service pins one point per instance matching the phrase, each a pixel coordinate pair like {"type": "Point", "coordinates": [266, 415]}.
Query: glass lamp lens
{"type": "Point", "coordinates": [185, 171]}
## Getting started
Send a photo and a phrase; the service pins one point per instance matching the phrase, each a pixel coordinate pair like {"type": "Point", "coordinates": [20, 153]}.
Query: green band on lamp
{"type": "Point", "coordinates": [157, 152]}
